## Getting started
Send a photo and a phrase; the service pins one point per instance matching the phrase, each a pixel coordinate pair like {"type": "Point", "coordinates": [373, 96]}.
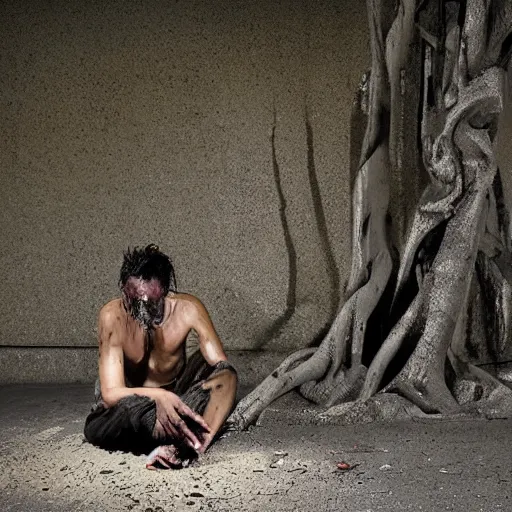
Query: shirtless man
{"type": "Point", "coordinates": [149, 397]}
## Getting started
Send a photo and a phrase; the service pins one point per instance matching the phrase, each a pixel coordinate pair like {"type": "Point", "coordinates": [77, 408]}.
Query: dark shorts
{"type": "Point", "coordinates": [129, 424]}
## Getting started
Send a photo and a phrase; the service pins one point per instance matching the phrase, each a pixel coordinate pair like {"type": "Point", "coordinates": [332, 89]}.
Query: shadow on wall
{"type": "Point", "coordinates": [275, 330]}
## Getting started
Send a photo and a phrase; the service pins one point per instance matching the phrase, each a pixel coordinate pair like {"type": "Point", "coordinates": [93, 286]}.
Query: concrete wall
{"type": "Point", "coordinates": [124, 123]}
{"type": "Point", "coordinates": [218, 130]}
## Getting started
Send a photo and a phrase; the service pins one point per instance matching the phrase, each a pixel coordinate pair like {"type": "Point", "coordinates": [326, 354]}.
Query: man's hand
{"type": "Point", "coordinates": [172, 416]}
{"type": "Point", "coordinates": [165, 456]}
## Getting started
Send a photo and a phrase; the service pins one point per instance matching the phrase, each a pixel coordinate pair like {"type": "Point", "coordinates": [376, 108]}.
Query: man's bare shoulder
{"type": "Point", "coordinates": [188, 305]}
{"type": "Point", "coordinates": [110, 313]}
{"type": "Point", "coordinates": [185, 299]}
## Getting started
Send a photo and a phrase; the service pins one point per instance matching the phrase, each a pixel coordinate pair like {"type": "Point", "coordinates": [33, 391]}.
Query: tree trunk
{"type": "Point", "coordinates": [431, 104]}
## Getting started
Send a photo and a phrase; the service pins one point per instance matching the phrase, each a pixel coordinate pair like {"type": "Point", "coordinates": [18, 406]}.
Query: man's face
{"type": "Point", "coordinates": [145, 301]}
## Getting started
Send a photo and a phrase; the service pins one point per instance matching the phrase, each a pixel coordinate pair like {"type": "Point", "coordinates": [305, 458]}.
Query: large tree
{"type": "Point", "coordinates": [431, 244]}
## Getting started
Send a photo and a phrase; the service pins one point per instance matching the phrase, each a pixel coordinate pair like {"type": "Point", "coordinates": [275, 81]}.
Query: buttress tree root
{"type": "Point", "coordinates": [430, 247]}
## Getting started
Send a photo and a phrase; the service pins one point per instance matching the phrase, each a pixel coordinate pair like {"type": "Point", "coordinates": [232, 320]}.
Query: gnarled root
{"type": "Point", "coordinates": [305, 365]}
{"type": "Point", "coordinates": [477, 391]}
{"type": "Point", "coordinates": [381, 407]}
{"type": "Point", "coordinates": [279, 382]}
{"type": "Point", "coordinates": [422, 378]}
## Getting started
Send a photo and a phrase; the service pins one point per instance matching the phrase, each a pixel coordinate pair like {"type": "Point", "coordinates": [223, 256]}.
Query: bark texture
{"type": "Point", "coordinates": [430, 240]}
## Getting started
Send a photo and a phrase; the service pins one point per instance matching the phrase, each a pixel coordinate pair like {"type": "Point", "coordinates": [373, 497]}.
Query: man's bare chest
{"type": "Point", "coordinates": [139, 345]}
{"type": "Point", "coordinates": [154, 357]}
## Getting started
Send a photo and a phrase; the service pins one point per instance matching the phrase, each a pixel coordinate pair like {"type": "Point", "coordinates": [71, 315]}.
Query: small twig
{"type": "Point", "coordinates": [224, 497]}
{"type": "Point", "coordinates": [360, 450]}
{"type": "Point", "coordinates": [302, 470]}
{"type": "Point", "coordinates": [277, 492]}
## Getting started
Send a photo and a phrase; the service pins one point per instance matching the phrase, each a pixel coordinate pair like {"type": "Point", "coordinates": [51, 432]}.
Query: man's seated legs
{"type": "Point", "coordinates": [141, 341]}
{"type": "Point", "coordinates": [130, 424]}
{"type": "Point", "coordinates": [126, 426]}
{"type": "Point", "coordinates": [207, 390]}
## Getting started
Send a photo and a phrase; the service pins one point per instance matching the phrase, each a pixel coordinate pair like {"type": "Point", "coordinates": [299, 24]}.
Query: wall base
{"type": "Point", "coordinates": [33, 365]}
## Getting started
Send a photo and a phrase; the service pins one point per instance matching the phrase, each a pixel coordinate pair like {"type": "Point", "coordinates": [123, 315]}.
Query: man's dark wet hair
{"type": "Point", "coordinates": [148, 263]}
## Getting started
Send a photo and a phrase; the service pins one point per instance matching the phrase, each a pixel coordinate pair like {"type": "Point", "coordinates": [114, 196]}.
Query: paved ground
{"type": "Point", "coordinates": [282, 465]}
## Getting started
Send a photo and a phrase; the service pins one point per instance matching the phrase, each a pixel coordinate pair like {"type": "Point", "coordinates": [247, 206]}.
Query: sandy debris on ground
{"type": "Point", "coordinates": [69, 469]}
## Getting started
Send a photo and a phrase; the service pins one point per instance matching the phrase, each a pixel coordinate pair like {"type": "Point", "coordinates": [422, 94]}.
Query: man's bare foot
{"type": "Point", "coordinates": [165, 456]}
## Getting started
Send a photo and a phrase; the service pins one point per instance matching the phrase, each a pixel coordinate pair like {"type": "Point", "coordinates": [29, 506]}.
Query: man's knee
{"type": "Point", "coordinates": [228, 379]}
{"type": "Point", "coordinates": [223, 381]}
{"type": "Point", "coordinates": [92, 430]}
{"type": "Point", "coordinates": [129, 421]}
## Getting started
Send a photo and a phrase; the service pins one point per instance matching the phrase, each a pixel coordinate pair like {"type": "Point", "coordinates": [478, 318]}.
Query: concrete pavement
{"type": "Point", "coordinates": [284, 464]}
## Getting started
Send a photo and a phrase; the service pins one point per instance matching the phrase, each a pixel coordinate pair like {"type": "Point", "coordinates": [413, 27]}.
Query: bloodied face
{"type": "Point", "coordinates": [145, 301]}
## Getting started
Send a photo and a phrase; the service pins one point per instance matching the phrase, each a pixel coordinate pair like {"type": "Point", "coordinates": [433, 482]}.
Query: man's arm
{"type": "Point", "coordinates": [222, 387]}
{"type": "Point", "coordinates": [111, 366]}
{"type": "Point", "coordinates": [209, 342]}
{"type": "Point", "coordinates": [169, 408]}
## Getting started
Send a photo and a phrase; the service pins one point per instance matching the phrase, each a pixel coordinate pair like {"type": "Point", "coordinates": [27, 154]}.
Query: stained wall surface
{"type": "Point", "coordinates": [218, 130]}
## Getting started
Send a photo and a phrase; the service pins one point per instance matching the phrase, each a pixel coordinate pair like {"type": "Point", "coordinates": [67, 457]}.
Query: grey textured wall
{"type": "Point", "coordinates": [219, 130]}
